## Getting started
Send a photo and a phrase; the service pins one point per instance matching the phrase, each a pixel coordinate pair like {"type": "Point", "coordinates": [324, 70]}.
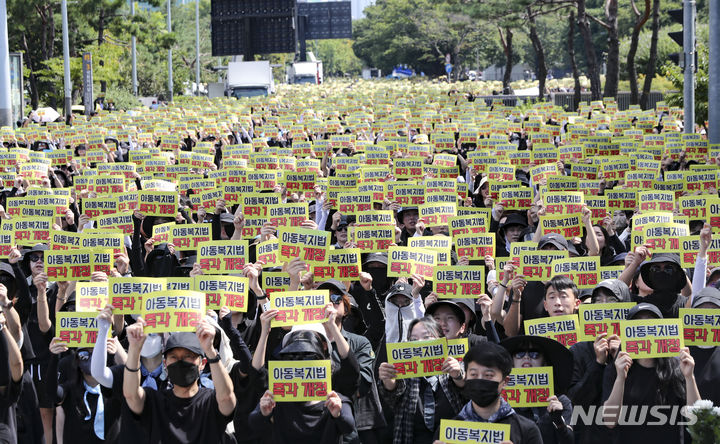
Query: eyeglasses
{"type": "Point", "coordinates": [336, 298]}
{"type": "Point", "coordinates": [83, 355]}
{"type": "Point", "coordinates": [35, 257]}
{"type": "Point", "coordinates": [532, 354]}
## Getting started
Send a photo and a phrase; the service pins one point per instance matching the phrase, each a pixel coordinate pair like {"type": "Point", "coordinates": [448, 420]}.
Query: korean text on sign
{"type": "Point", "coordinates": [529, 387]}
{"type": "Point", "coordinates": [299, 381]}
{"type": "Point", "coordinates": [651, 338]}
{"type": "Point", "coordinates": [563, 329]}
{"type": "Point", "coordinates": [172, 311]}
{"type": "Point", "coordinates": [417, 358]}
{"type": "Point", "coordinates": [299, 307]}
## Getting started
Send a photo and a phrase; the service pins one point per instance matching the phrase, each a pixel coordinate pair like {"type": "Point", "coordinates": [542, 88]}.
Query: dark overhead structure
{"type": "Point", "coordinates": [249, 27]}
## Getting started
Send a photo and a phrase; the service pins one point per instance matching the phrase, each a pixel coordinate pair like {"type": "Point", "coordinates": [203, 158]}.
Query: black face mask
{"type": "Point", "coordinates": [182, 373]}
{"type": "Point", "coordinates": [381, 283]}
{"type": "Point", "coordinates": [482, 392]}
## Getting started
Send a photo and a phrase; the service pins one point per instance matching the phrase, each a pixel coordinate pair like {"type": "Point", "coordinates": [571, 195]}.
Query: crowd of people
{"type": "Point", "coordinates": [211, 385]}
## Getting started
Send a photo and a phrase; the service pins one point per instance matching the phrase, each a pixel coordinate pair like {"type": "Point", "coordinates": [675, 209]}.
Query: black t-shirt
{"type": "Point", "coordinates": [9, 395]}
{"type": "Point", "coordinates": [641, 389]}
{"type": "Point", "coordinates": [169, 419]}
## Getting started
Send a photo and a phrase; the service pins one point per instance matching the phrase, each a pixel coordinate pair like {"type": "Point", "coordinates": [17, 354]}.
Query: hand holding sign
{"type": "Point", "coordinates": [622, 365]}
{"type": "Point", "coordinates": [206, 335]}
{"type": "Point", "coordinates": [267, 404]}
{"type": "Point", "coordinates": [387, 373]}
{"type": "Point", "coordinates": [687, 363]}
{"type": "Point", "coordinates": [334, 404]}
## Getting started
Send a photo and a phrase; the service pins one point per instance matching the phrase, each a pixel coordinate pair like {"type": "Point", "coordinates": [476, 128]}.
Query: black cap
{"type": "Point", "coordinates": [644, 306]}
{"type": "Point", "coordinates": [184, 339]}
{"type": "Point", "coordinates": [333, 284]}
{"type": "Point", "coordinates": [375, 257]}
{"type": "Point", "coordinates": [400, 289]}
{"type": "Point", "coordinates": [402, 211]}
{"type": "Point", "coordinates": [554, 239]}
{"type": "Point", "coordinates": [514, 219]}
{"type": "Point", "coordinates": [459, 312]}
{"type": "Point", "coordinates": [707, 294]}
{"type": "Point", "coordinates": [657, 258]}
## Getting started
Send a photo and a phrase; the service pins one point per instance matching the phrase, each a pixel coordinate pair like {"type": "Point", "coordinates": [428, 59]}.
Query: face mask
{"type": "Point", "coordinates": [182, 373]}
{"type": "Point", "coordinates": [662, 281]}
{"type": "Point", "coordinates": [380, 282]}
{"type": "Point", "coordinates": [482, 392]}
{"type": "Point", "coordinates": [84, 366]}
{"type": "Point", "coordinates": [152, 346]}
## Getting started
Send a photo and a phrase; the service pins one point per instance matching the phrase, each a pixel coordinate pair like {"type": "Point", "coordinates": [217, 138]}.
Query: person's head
{"type": "Point", "coordinates": [552, 241]}
{"type": "Point", "coordinates": [620, 221]}
{"type": "Point", "coordinates": [708, 297]}
{"type": "Point", "coordinates": [375, 264]}
{"type": "Point", "coordinates": [339, 297]}
{"type": "Point", "coordinates": [408, 218]}
{"type": "Point", "coordinates": [561, 296]}
{"type": "Point", "coordinates": [663, 274]}
{"type": "Point", "coordinates": [713, 277]}
{"type": "Point", "coordinates": [528, 355]}
{"type": "Point", "coordinates": [341, 233]}
{"type": "Point", "coordinates": [610, 291]}
{"type": "Point", "coordinates": [305, 342]}
{"type": "Point", "coordinates": [449, 316]}
{"type": "Point", "coordinates": [537, 351]}
{"type": "Point", "coordinates": [513, 227]}
{"type": "Point", "coordinates": [34, 259]}
{"type": "Point", "coordinates": [644, 311]}
{"type": "Point", "coordinates": [601, 234]}
{"type": "Point", "coordinates": [400, 295]}
{"type": "Point", "coordinates": [533, 214]}
{"type": "Point", "coordinates": [7, 279]}
{"type": "Point", "coordinates": [424, 329]}
{"type": "Point", "coordinates": [183, 359]}
{"type": "Point", "coordinates": [487, 366]}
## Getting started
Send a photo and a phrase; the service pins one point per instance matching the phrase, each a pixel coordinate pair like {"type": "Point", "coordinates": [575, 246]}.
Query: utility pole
{"type": "Point", "coordinates": [66, 59]}
{"type": "Point", "coordinates": [689, 50]}
{"type": "Point", "coordinates": [170, 74]}
{"type": "Point", "coordinates": [197, 47]}
{"type": "Point", "coordinates": [133, 53]}
{"type": "Point", "coordinates": [6, 118]}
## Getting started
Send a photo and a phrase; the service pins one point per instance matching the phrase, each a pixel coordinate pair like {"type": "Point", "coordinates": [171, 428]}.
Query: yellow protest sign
{"type": "Point", "coordinates": [537, 265]}
{"type": "Point", "coordinates": [563, 202]}
{"type": "Point", "coordinates": [355, 203]}
{"type": "Point", "coordinates": [179, 283]}
{"type": "Point", "coordinates": [651, 338]}
{"type": "Point", "coordinates": [529, 387]}
{"type": "Point", "coordinates": [656, 201]}
{"type": "Point", "coordinates": [273, 281]}
{"type": "Point", "coordinates": [701, 326]}
{"type": "Point", "coordinates": [77, 330]}
{"type": "Point", "coordinates": [312, 246]}
{"type": "Point", "coordinates": [372, 238]}
{"type": "Point", "coordinates": [437, 214]}
{"type": "Point", "coordinates": [30, 232]}
{"type": "Point", "coordinates": [383, 217]}
{"type": "Point", "coordinates": [103, 240]}
{"type": "Point", "coordinates": [299, 307]}
{"type": "Point", "coordinates": [458, 281]}
{"type": "Point", "coordinates": [568, 226]}
{"type": "Point", "coordinates": [77, 265]}
{"type": "Point", "coordinates": [596, 319]}
{"type": "Point", "coordinates": [458, 347]}
{"type": "Point", "coordinates": [299, 381]}
{"type": "Point", "coordinates": [690, 245]}
{"type": "Point", "coordinates": [288, 214]}
{"type": "Point", "coordinates": [343, 264]}
{"type": "Point", "coordinates": [516, 198]}
{"type": "Point", "coordinates": [461, 432]}
{"type": "Point", "coordinates": [473, 223]}
{"type": "Point", "coordinates": [662, 237]}
{"type": "Point", "coordinates": [173, 311]}
{"type": "Point", "coordinates": [222, 257]}
{"type": "Point", "coordinates": [189, 236]}
{"type": "Point", "coordinates": [267, 253]}
{"type": "Point", "coordinates": [120, 221]}
{"type": "Point", "coordinates": [475, 246]}
{"type": "Point", "coordinates": [231, 291]}
{"type": "Point", "coordinates": [417, 358]}
{"type": "Point", "coordinates": [406, 261]}
{"type": "Point", "coordinates": [125, 294]}
{"type": "Point", "coordinates": [563, 329]}
{"type": "Point", "coordinates": [583, 271]}
{"type": "Point", "coordinates": [91, 296]}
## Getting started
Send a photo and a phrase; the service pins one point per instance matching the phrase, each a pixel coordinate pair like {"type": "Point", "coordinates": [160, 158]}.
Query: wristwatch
{"type": "Point", "coordinates": [215, 359]}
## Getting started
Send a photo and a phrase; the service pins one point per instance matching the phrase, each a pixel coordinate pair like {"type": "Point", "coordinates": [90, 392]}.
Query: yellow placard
{"type": "Point", "coordinates": [125, 294]}
{"type": "Point", "coordinates": [660, 238]}
{"type": "Point", "coordinates": [596, 319]}
{"type": "Point", "coordinates": [383, 217]}
{"type": "Point", "coordinates": [417, 358]}
{"type": "Point", "coordinates": [372, 239]}
{"type": "Point", "coordinates": [120, 221]}
{"type": "Point", "coordinates": [158, 203]}
{"type": "Point", "coordinates": [458, 347]}
{"type": "Point", "coordinates": [355, 203]}
{"type": "Point", "coordinates": [563, 202]}
{"type": "Point", "coordinates": [406, 261]}
{"type": "Point", "coordinates": [474, 223]}
{"type": "Point", "coordinates": [529, 387]}
{"type": "Point", "coordinates": [563, 329]}
{"type": "Point", "coordinates": [267, 253]}
{"type": "Point", "coordinates": [437, 214]}
{"type": "Point", "coordinates": [288, 214]}
{"type": "Point", "coordinates": [300, 381]}
{"type": "Point", "coordinates": [701, 326]}
{"type": "Point", "coordinates": [537, 265]}
{"type": "Point", "coordinates": [91, 296]}
{"type": "Point", "coordinates": [567, 226]}
{"type": "Point", "coordinates": [171, 311]}
{"type": "Point", "coordinates": [690, 245]}
{"type": "Point", "coordinates": [583, 271]}
{"type": "Point", "coordinates": [189, 236]}
{"type": "Point", "coordinates": [30, 232]}
{"type": "Point", "coordinates": [312, 246]}
{"type": "Point", "coordinates": [273, 281]}
{"type": "Point", "coordinates": [475, 246]}
{"type": "Point", "coordinates": [230, 291]}
{"type": "Point", "coordinates": [299, 307]}
{"type": "Point", "coordinates": [651, 338]}
{"type": "Point", "coordinates": [343, 265]}
{"type": "Point", "coordinates": [77, 265]}
{"type": "Point", "coordinates": [459, 281]}
{"type": "Point", "coordinates": [516, 198]}
{"type": "Point", "coordinates": [77, 330]}
{"type": "Point", "coordinates": [222, 257]}
{"type": "Point", "coordinates": [461, 432]}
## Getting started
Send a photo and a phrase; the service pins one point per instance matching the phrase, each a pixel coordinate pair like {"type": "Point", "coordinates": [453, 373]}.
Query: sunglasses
{"type": "Point", "coordinates": [35, 257]}
{"type": "Point", "coordinates": [83, 355]}
{"type": "Point", "coordinates": [532, 354]}
{"type": "Point", "coordinates": [336, 298]}
{"type": "Point", "coordinates": [661, 268]}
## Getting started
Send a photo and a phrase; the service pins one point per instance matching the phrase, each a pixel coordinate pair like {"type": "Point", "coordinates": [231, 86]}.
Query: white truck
{"type": "Point", "coordinates": [305, 72]}
{"type": "Point", "coordinates": [249, 79]}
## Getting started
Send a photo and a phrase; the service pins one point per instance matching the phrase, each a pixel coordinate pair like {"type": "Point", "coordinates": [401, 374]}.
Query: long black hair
{"type": "Point", "coordinates": [670, 380]}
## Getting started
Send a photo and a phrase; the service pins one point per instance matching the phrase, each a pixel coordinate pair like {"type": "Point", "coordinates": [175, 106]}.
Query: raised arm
{"type": "Point", "coordinates": [224, 393]}
{"type": "Point", "coordinates": [133, 393]}
{"type": "Point", "coordinates": [98, 361]}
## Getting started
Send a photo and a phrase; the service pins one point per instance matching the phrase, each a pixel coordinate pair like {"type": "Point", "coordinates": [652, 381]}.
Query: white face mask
{"type": "Point", "coordinates": [152, 346]}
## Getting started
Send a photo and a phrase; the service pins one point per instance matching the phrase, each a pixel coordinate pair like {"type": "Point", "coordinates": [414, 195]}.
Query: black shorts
{"type": "Point", "coordinates": [37, 371]}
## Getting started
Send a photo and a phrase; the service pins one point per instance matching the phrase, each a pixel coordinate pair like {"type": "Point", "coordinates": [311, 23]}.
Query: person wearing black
{"type": "Point", "coordinates": [536, 351]}
{"type": "Point", "coordinates": [91, 411]}
{"type": "Point", "coordinates": [187, 412]}
{"type": "Point", "coordinates": [487, 367]}
{"type": "Point", "coordinates": [646, 382]}
{"type": "Point", "coordinates": [707, 358]}
{"type": "Point", "coordinates": [304, 422]}
{"type": "Point", "coordinates": [589, 362]}
{"type": "Point", "coordinates": [408, 219]}
{"type": "Point", "coordinates": [11, 374]}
